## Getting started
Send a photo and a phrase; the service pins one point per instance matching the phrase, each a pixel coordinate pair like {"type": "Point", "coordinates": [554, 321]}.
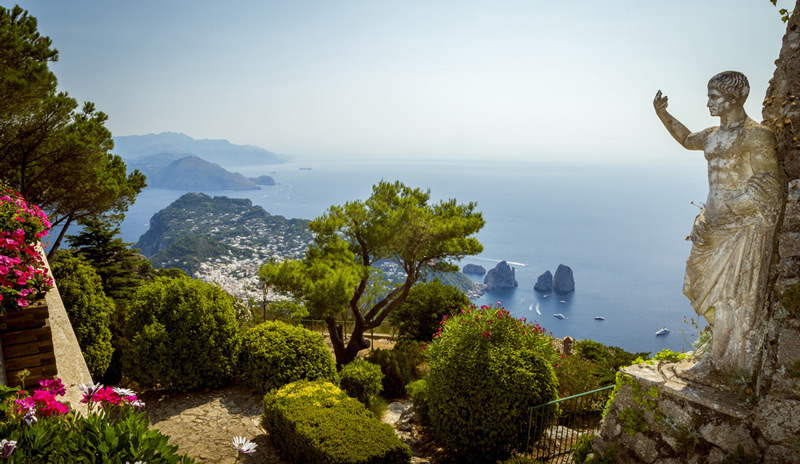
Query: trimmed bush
{"type": "Point", "coordinates": [418, 316]}
{"type": "Point", "coordinates": [317, 423]}
{"type": "Point", "coordinates": [486, 370]}
{"type": "Point", "coordinates": [90, 311]}
{"type": "Point", "coordinates": [398, 365]}
{"type": "Point", "coordinates": [276, 353]}
{"type": "Point", "coordinates": [182, 334]}
{"type": "Point", "coordinates": [361, 380]}
{"type": "Point", "coordinates": [286, 311]}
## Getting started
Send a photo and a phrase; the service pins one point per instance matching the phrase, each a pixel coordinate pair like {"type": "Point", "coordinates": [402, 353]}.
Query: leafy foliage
{"type": "Point", "coordinates": [417, 318]}
{"type": "Point", "coordinates": [182, 334]}
{"type": "Point", "coordinates": [90, 311]}
{"type": "Point", "coordinates": [286, 311]}
{"type": "Point", "coordinates": [576, 375]}
{"type": "Point", "coordinates": [361, 380]}
{"type": "Point", "coordinates": [608, 359]}
{"type": "Point", "coordinates": [418, 391]}
{"type": "Point", "coordinates": [56, 156]}
{"type": "Point", "coordinates": [395, 223]}
{"type": "Point", "coordinates": [275, 354]}
{"type": "Point", "coordinates": [485, 357]}
{"type": "Point", "coordinates": [121, 269]}
{"type": "Point", "coordinates": [317, 423]}
{"type": "Point", "coordinates": [399, 366]}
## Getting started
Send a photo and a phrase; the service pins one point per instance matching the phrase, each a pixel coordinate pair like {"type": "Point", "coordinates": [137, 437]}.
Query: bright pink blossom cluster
{"type": "Point", "coordinates": [22, 272]}
{"type": "Point", "coordinates": [43, 401]}
{"type": "Point", "coordinates": [109, 396]}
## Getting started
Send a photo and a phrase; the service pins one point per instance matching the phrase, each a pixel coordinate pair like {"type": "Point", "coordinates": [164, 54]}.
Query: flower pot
{"type": "Point", "coordinates": [27, 343]}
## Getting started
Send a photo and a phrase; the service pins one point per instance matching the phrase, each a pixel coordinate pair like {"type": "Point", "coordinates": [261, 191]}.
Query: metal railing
{"type": "Point", "coordinates": [554, 427]}
{"type": "Point", "coordinates": [320, 326]}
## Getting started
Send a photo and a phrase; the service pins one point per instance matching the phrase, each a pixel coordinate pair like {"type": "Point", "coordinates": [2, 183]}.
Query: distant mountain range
{"type": "Point", "coordinates": [178, 171]}
{"type": "Point", "coordinates": [219, 151]}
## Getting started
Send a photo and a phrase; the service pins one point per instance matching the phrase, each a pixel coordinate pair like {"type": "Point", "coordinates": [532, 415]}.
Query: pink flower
{"type": "Point", "coordinates": [22, 302]}
{"type": "Point", "coordinates": [53, 386]}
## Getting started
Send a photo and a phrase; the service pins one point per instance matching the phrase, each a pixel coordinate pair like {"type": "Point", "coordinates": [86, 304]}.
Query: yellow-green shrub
{"type": "Point", "coordinates": [317, 423]}
{"type": "Point", "coordinates": [361, 380]}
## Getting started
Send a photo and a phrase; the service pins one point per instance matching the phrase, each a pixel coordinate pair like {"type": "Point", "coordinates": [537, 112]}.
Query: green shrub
{"type": "Point", "coordinates": [486, 370]}
{"type": "Point", "coordinates": [576, 375]}
{"type": "Point", "coordinates": [361, 380]}
{"type": "Point", "coordinates": [317, 423]}
{"type": "Point", "coordinates": [418, 391]}
{"type": "Point", "coordinates": [182, 334]}
{"type": "Point", "coordinates": [607, 358]}
{"type": "Point", "coordinates": [90, 311]}
{"type": "Point", "coordinates": [582, 448]}
{"type": "Point", "coordinates": [275, 353]}
{"type": "Point", "coordinates": [418, 316]}
{"type": "Point", "coordinates": [399, 366]}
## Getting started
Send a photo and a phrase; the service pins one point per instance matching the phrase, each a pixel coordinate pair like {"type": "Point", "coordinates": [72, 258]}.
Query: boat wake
{"type": "Point", "coordinates": [499, 260]}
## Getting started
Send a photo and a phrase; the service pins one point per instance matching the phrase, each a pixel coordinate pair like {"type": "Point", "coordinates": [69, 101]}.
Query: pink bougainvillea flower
{"type": "Point", "coordinates": [54, 386]}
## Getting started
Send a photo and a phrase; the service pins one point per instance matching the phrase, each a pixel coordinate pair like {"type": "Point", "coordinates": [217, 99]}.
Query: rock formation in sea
{"type": "Point", "coordinates": [544, 283]}
{"type": "Point", "coordinates": [473, 269]}
{"type": "Point", "coordinates": [563, 281]}
{"type": "Point", "coordinates": [502, 276]}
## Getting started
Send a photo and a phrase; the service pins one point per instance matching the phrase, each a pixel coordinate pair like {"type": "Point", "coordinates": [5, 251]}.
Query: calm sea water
{"type": "Point", "coordinates": [621, 229]}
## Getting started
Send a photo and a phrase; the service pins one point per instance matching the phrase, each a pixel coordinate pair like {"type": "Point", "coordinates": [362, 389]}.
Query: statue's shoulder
{"type": "Point", "coordinates": [759, 133]}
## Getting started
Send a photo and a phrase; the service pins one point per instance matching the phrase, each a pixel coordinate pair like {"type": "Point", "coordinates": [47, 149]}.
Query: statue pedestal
{"type": "Point", "coordinates": [665, 413]}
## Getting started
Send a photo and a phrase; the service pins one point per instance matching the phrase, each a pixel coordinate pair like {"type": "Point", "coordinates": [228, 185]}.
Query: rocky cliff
{"type": "Point", "coordinates": [544, 283]}
{"type": "Point", "coordinates": [563, 281]}
{"type": "Point", "coordinates": [502, 276]}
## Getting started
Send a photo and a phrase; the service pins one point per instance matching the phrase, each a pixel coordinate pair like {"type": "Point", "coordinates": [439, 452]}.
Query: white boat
{"type": "Point", "coordinates": [545, 296]}
{"type": "Point", "coordinates": [563, 301]}
{"type": "Point", "coordinates": [559, 315]}
{"type": "Point", "coordinates": [662, 331]}
{"type": "Point", "coordinates": [599, 318]}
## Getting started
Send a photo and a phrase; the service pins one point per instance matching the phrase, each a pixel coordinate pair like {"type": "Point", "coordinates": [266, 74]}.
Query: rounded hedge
{"type": "Point", "coordinates": [361, 380]}
{"type": "Point", "coordinates": [89, 309]}
{"type": "Point", "coordinates": [275, 354]}
{"type": "Point", "coordinates": [486, 370]}
{"type": "Point", "coordinates": [181, 334]}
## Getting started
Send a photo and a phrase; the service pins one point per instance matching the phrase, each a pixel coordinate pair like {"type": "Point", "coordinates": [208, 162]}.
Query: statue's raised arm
{"type": "Point", "coordinates": [678, 131]}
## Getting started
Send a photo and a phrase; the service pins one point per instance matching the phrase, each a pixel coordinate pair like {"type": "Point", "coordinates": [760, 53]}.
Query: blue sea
{"type": "Point", "coordinates": [620, 228]}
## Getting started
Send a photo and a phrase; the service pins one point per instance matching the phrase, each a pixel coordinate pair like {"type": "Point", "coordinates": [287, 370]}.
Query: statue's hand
{"type": "Point", "coordinates": [660, 102]}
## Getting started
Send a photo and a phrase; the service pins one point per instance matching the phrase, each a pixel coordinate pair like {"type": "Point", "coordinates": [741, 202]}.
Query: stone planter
{"type": "Point", "coordinates": [27, 343]}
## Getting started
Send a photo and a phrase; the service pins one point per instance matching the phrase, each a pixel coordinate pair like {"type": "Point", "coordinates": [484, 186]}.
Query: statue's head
{"type": "Point", "coordinates": [731, 85]}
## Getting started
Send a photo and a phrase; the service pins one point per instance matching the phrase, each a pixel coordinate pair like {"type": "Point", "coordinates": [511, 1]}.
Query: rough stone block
{"type": "Point", "coordinates": [728, 437]}
{"type": "Point", "coordinates": [791, 218]}
{"type": "Point", "coordinates": [788, 347]}
{"type": "Point", "coordinates": [778, 420]}
{"type": "Point", "coordinates": [789, 244]}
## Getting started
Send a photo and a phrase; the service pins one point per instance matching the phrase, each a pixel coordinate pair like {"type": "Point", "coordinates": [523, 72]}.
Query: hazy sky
{"type": "Point", "coordinates": [527, 79]}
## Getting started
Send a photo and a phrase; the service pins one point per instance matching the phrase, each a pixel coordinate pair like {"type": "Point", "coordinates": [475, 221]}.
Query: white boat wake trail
{"type": "Point", "coordinates": [499, 260]}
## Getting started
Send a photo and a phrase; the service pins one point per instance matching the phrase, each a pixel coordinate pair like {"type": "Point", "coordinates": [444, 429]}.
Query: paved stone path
{"type": "Point", "coordinates": [203, 424]}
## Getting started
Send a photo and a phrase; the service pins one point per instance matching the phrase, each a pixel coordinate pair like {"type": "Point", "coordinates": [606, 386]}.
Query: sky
{"type": "Point", "coordinates": [429, 79]}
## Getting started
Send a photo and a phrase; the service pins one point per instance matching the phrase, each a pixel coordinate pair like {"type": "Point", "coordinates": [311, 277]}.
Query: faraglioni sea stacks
{"type": "Point", "coordinates": [562, 282]}
{"type": "Point", "coordinates": [502, 276]}
{"type": "Point", "coordinates": [544, 283]}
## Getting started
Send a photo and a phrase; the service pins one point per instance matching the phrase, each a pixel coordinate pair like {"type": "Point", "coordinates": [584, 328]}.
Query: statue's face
{"type": "Point", "coordinates": [717, 104]}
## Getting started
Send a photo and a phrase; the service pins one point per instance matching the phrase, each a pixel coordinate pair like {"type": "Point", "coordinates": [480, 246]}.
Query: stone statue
{"type": "Point", "coordinates": [727, 270]}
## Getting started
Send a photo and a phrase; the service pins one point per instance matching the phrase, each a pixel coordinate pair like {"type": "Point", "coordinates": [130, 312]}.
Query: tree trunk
{"type": "Point", "coordinates": [52, 253]}
{"type": "Point", "coordinates": [347, 353]}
